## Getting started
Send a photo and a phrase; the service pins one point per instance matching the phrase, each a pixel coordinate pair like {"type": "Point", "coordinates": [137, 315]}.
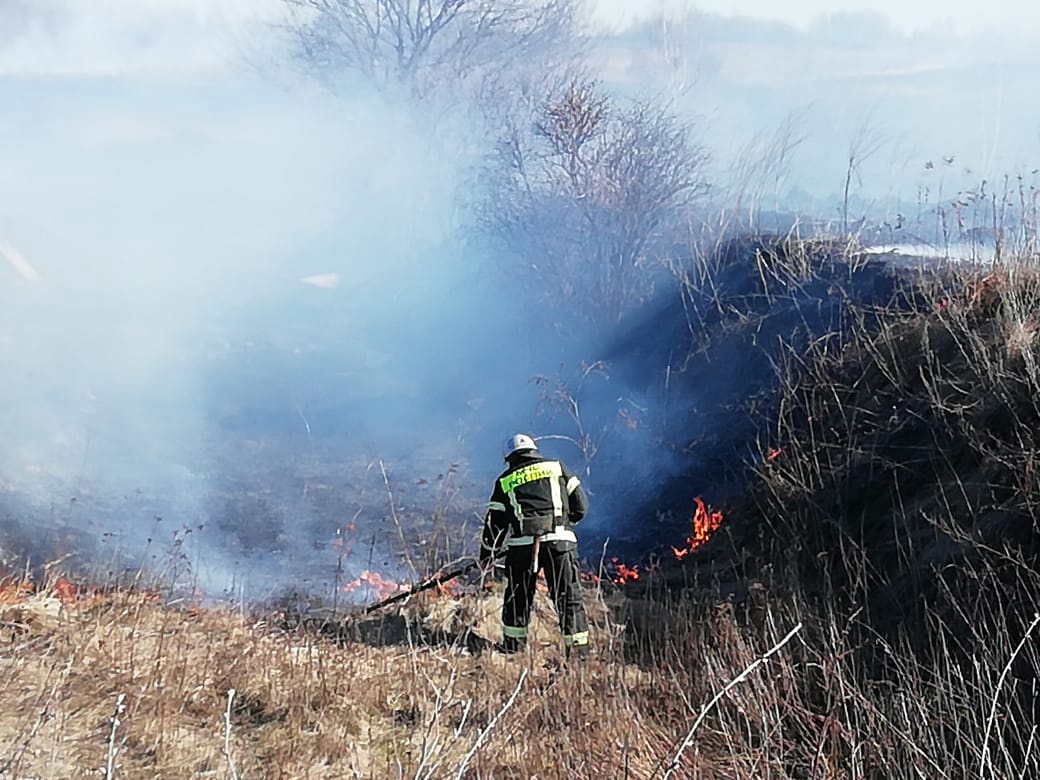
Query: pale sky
{"type": "Point", "coordinates": [965, 16]}
{"type": "Point", "coordinates": [73, 37]}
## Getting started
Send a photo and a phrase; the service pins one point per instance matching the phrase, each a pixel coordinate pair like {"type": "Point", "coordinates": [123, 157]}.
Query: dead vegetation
{"type": "Point", "coordinates": [886, 626]}
{"type": "Point", "coordinates": [897, 488]}
{"type": "Point", "coordinates": [121, 686]}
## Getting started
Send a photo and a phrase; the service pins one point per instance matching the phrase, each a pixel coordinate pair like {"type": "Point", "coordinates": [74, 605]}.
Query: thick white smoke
{"type": "Point", "coordinates": [196, 261]}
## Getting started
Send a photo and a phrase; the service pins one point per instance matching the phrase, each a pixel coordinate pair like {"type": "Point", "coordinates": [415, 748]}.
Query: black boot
{"type": "Point", "coordinates": [511, 646]}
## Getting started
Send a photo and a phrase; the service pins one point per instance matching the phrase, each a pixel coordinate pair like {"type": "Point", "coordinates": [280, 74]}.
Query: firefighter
{"type": "Point", "coordinates": [533, 509]}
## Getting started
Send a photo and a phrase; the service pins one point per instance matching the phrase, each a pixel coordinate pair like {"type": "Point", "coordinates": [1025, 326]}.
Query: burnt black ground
{"type": "Point", "coordinates": [704, 359]}
{"type": "Point", "coordinates": [905, 492]}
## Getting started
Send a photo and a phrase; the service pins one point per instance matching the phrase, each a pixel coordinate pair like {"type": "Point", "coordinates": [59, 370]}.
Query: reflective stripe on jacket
{"type": "Point", "coordinates": [532, 488]}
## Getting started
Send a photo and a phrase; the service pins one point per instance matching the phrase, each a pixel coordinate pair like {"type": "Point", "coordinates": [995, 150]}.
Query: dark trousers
{"type": "Point", "coordinates": [559, 561]}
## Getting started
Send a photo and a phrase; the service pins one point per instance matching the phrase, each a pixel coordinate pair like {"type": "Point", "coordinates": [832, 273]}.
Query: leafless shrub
{"type": "Point", "coordinates": [428, 44]}
{"type": "Point", "coordinates": [585, 191]}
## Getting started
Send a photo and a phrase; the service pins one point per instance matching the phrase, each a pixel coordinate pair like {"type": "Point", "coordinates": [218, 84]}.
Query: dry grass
{"type": "Point", "coordinates": [304, 706]}
{"type": "Point", "coordinates": [904, 499]}
{"type": "Point", "coordinates": [899, 533]}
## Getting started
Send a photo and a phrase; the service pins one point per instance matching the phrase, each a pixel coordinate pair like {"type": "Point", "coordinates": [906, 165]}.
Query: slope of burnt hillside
{"type": "Point", "coordinates": [907, 482]}
{"type": "Point", "coordinates": [703, 361]}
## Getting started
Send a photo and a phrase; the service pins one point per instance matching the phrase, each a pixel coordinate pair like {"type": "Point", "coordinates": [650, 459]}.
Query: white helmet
{"type": "Point", "coordinates": [518, 442]}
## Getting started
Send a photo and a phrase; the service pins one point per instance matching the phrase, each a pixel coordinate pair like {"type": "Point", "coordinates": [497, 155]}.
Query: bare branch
{"type": "Point", "coordinates": [674, 764]}
{"type": "Point", "coordinates": [423, 44]}
{"type": "Point", "coordinates": [490, 727]}
{"type": "Point", "coordinates": [593, 190]}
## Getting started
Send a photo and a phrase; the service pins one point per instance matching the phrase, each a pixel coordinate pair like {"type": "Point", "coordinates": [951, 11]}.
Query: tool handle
{"type": "Point", "coordinates": [431, 582]}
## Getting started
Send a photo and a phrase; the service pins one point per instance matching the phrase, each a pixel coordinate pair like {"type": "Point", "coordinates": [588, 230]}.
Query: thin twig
{"type": "Point", "coordinates": [397, 520]}
{"type": "Point", "coordinates": [996, 696]}
{"type": "Point", "coordinates": [14, 761]}
{"type": "Point", "coordinates": [715, 699]}
{"type": "Point", "coordinates": [227, 735]}
{"type": "Point", "coordinates": [110, 767]}
{"type": "Point", "coordinates": [490, 726]}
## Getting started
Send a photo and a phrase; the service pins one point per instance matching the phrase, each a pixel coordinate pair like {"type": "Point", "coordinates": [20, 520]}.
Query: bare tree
{"type": "Point", "coordinates": [422, 43]}
{"type": "Point", "coordinates": [589, 189]}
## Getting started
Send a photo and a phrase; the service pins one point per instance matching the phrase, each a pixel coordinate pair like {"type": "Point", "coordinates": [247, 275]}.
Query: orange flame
{"type": "Point", "coordinates": [69, 593]}
{"type": "Point", "coordinates": [65, 591]}
{"type": "Point", "coordinates": [380, 585]}
{"type": "Point", "coordinates": [705, 524]}
{"type": "Point", "coordinates": [15, 591]}
{"type": "Point", "coordinates": [451, 589]}
{"type": "Point", "coordinates": [623, 573]}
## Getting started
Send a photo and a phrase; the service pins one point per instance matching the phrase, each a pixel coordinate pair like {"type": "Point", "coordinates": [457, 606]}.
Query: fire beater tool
{"type": "Point", "coordinates": [430, 582]}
